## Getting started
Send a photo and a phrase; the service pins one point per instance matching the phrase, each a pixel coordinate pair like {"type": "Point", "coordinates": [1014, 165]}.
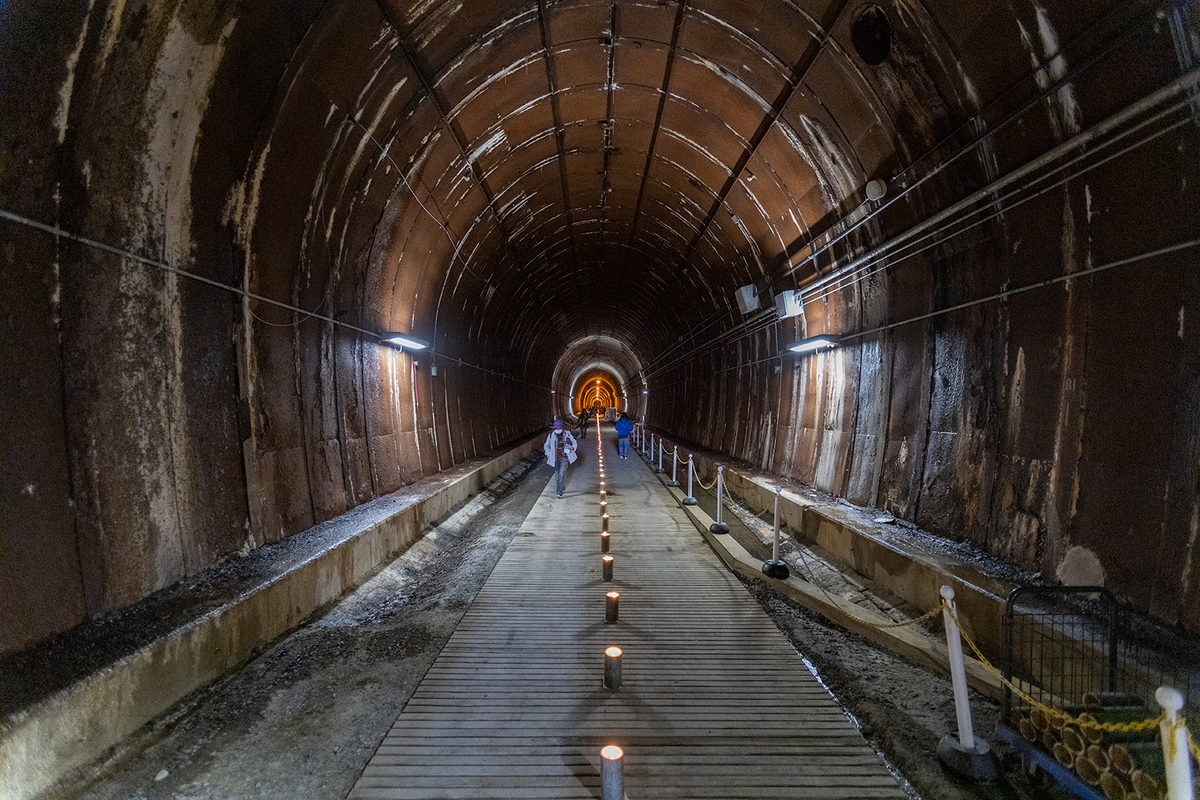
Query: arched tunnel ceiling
{"type": "Point", "coordinates": [532, 187]}
{"type": "Point", "coordinates": [587, 167]}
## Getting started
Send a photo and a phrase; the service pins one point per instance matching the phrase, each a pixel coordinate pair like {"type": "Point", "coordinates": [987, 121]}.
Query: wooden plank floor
{"type": "Point", "coordinates": [715, 702]}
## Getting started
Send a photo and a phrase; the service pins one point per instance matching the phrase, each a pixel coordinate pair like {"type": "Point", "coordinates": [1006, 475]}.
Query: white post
{"type": "Point", "coordinates": [1175, 745]}
{"type": "Point", "coordinates": [720, 489]}
{"type": "Point", "coordinates": [775, 568]}
{"type": "Point", "coordinates": [674, 464]}
{"type": "Point", "coordinates": [958, 672]}
{"type": "Point", "coordinates": [775, 545]}
{"type": "Point", "coordinates": [719, 525]}
{"type": "Point", "coordinates": [660, 452]}
{"type": "Point", "coordinates": [690, 500]}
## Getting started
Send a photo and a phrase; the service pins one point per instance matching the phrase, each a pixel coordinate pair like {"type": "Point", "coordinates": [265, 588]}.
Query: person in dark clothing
{"type": "Point", "coordinates": [624, 428]}
{"type": "Point", "coordinates": [583, 423]}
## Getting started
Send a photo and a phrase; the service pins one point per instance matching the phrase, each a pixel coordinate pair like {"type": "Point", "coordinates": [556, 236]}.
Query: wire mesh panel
{"type": "Point", "coordinates": [1087, 674]}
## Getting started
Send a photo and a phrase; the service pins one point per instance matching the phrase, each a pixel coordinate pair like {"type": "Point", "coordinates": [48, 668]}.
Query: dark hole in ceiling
{"type": "Point", "coordinates": [871, 35]}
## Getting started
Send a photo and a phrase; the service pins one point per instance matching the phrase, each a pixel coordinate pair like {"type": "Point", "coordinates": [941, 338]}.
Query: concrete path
{"type": "Point", "coordinates": [715, 702]}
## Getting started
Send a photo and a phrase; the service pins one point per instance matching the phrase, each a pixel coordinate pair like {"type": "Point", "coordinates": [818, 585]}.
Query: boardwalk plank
{"type": "Point", "coordinates": [715, 701]}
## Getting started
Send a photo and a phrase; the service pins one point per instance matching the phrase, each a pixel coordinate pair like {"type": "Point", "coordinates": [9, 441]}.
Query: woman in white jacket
{"type": "Point", "coordinates": [560, 450]}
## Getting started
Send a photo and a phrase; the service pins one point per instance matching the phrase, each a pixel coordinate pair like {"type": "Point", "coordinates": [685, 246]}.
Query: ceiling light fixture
{"type": "Point", "coordinates": [814, 343]}
{"type": "Point", "coordinates": [404, 340]}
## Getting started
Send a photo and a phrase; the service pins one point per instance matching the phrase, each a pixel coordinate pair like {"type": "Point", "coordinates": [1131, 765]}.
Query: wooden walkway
{"type": "Point", "coordinates": [715, 701]}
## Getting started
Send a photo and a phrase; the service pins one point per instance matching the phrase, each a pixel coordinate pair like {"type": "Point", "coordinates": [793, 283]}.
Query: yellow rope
{"type": "Point", "coordinates": [680, 460]}
{"type": "Point", "coordinates": [1081, 722]}
{"type": "Point", "coordinates": [709, 486]}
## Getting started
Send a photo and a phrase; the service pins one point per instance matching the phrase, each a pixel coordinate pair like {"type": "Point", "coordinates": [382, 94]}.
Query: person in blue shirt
{"type": "Point", "coordinates": [624, 428]}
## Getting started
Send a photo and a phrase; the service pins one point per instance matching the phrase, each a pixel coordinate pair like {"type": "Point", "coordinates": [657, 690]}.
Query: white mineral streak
{"type": "Point", "coordinates": [1049, 67]}
{"type": "Point", "coordinates": [68, 85]}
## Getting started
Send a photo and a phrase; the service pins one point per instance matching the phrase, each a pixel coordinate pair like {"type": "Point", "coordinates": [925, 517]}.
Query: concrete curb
{"type": "Point", "coordinates": [41, 744]}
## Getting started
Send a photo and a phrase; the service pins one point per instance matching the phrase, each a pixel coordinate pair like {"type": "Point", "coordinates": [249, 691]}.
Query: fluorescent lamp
{"type": "Point", "coordinates": [822, 342]}
{"type": "Point", "coordinates": [404, 340]}
{"type": "Point", "coordinates": [645, 391]}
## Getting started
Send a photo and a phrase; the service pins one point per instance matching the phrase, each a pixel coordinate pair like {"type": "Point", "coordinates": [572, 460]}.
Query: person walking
{"type": "Point", "coordinates": [560, 451]}
{"type": "Point", "coordinates": [624, 428]}
{"type": "Point", "coordinates": [583, 421]}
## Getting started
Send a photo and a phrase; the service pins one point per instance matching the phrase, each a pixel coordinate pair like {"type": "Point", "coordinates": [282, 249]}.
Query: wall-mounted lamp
{"type": "Point", "coordinates": [814, 343]}
{"type": "Point", "coordinates": [404, 340]}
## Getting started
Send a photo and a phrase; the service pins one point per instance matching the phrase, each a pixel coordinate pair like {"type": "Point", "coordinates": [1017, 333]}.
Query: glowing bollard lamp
{"type": "Point", "coordinates": [606, 568]}
{"type": "Point", "coordinates": [776, 567]}
{"type": "Point", "coordinates": [610, 607]}
{"type": "Point", "coordinates": [604, 535]}
{"type": "Point", "coordinates": [612, 668]}
{"type": "Point", "coordinates": [612, 773]}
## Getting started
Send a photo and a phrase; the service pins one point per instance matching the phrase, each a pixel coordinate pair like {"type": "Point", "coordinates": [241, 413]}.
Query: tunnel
{"type": "Point", "coordinates": [270, 266]}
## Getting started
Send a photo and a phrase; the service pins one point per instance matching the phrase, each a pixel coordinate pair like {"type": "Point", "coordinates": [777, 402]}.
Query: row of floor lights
{"type": "Point", "coordinates": [612, 761]}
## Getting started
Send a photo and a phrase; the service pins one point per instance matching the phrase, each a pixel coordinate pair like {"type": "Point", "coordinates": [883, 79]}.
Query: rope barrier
{"type": "Point", "coordinates": [1083, 722]}
{"type": "Point", "coordinates": [680, 460]}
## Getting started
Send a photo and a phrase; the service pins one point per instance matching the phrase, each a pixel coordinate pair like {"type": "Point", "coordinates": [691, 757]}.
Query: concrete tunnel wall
{"type": "Point", "coordinates": [532, 186]}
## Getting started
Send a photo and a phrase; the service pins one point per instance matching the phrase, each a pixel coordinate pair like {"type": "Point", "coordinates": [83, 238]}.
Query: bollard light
{"type": "Point", "coordinates": [610, 607]}
{"type": "Point", "coordinates": [612, 668]}
{"type": "Point", "coordinates": [776, 567]}
{"type": "Point", "coordinates": [612, 773]}
{"type": "Point", "coordinates": [603, 503]}
{"type": "Point", "coordinates": [606, 568]}
{"type": "Point", "coordinates": [604, 537]}
{"type": "Point", "coordinates": [604, 522]}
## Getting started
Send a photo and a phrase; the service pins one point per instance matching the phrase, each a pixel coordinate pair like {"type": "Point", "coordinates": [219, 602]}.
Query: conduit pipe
{"type": "Point", "coordinates": [1180, 85]}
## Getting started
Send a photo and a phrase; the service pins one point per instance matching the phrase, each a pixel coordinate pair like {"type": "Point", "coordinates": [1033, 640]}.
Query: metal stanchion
{"type": "Point", "coordinates": [652, 449]}
{"type": "Point", "coordinates": [612, 773]}
{"type": "Point", "coordinates": [964, 754]}
{"type": "Point", "coordinates": [612, 668]}
{"type": "Point", "coordinates": [776, 567]}
{"type": "Point", "coordinates": [660, 454]}
{"type": "Point", "coordinates": [1175, 745]}
{"type": "Point", "coordinates": [674, 464]}
{"type": "Point", "coordinates": [719, 526]}
{"type": "Point", "coordinates": [690, 500]}
{"type": "Point", "coordinates": [610, 607]}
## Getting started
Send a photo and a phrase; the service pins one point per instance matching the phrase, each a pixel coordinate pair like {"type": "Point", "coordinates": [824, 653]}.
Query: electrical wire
{"type": "Point", "coordinates": [1004, 295]}
{"type": "Point", "coordinates": [807, 295]}
{"type": "Point", "coordinates": [237, 290]}
{"type": "Point", "coordinates": [969, 148]}
{"type": "Point", "coordinates": [907, 247]}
